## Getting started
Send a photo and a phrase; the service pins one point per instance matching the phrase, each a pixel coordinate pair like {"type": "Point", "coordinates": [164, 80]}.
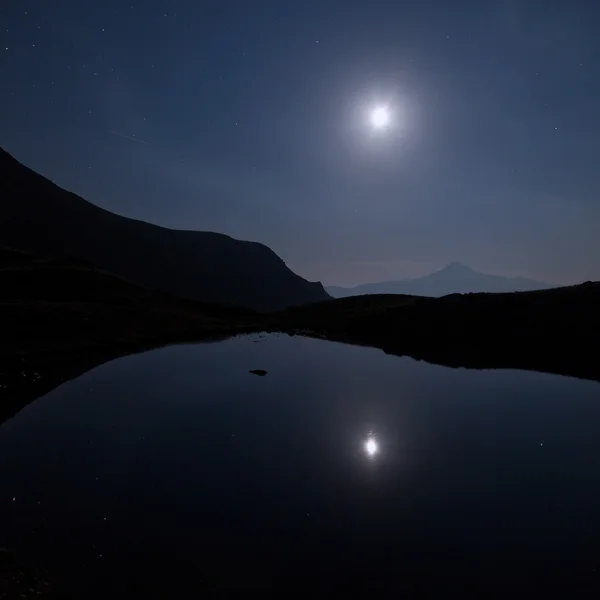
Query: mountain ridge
{"type": "Point", "coordinates": [38, 216]}
{"type": "Point", "coordinates": [454, 278]}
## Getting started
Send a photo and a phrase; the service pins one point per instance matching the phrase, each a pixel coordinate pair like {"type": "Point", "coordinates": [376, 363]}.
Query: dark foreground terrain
{"type": "Point", "coordinates": [54, 305]}
{"type": "Point", "coordinates": [546, 330]}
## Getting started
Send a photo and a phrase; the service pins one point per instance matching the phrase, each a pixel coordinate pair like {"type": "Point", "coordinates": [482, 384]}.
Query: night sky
{"type": "Point", "coordinates": [252, 118]}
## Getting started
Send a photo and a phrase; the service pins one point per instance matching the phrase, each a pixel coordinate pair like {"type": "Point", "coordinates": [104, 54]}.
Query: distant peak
{"type": "Point", "coordinates": [457, 267]}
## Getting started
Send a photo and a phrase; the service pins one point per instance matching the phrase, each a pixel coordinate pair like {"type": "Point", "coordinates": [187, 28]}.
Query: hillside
{"type": "Point", "coordinates": [552, 330]}
{"type": "Point", "coordinates": [39, 217]}
{"type": "Point", "coordinates": [49, 305]}
{"type": "Point", "coordinates": [570, 312]}
{"type": "Point", "coordinates": [454, 278]}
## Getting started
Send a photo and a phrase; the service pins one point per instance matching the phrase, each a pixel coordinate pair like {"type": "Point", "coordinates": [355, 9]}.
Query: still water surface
{"type": "Point", "coordinates": [344, 468]}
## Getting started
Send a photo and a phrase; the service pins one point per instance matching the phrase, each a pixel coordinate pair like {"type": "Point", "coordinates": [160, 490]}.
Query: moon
{"type": "Point", "coordinates": [371, 447]}
{"type": "Point", "coordinates": [380, 117]}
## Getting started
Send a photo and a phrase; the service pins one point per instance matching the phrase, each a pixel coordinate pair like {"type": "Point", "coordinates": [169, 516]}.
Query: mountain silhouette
{"type": "Point", "coordinates": [454, 278]}
{"type": "Point", "coordinates": [39, 217]}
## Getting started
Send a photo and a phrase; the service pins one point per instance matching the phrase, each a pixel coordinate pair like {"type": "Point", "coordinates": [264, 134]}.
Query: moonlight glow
{"type": "Point", "coordinates": [371, 447]}
{"type": "Point", "coordinates": [380, 117]}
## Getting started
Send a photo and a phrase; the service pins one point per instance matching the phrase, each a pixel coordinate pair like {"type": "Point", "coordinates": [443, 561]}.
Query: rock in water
{"type": "Point", "coordinates": [259, 372]}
